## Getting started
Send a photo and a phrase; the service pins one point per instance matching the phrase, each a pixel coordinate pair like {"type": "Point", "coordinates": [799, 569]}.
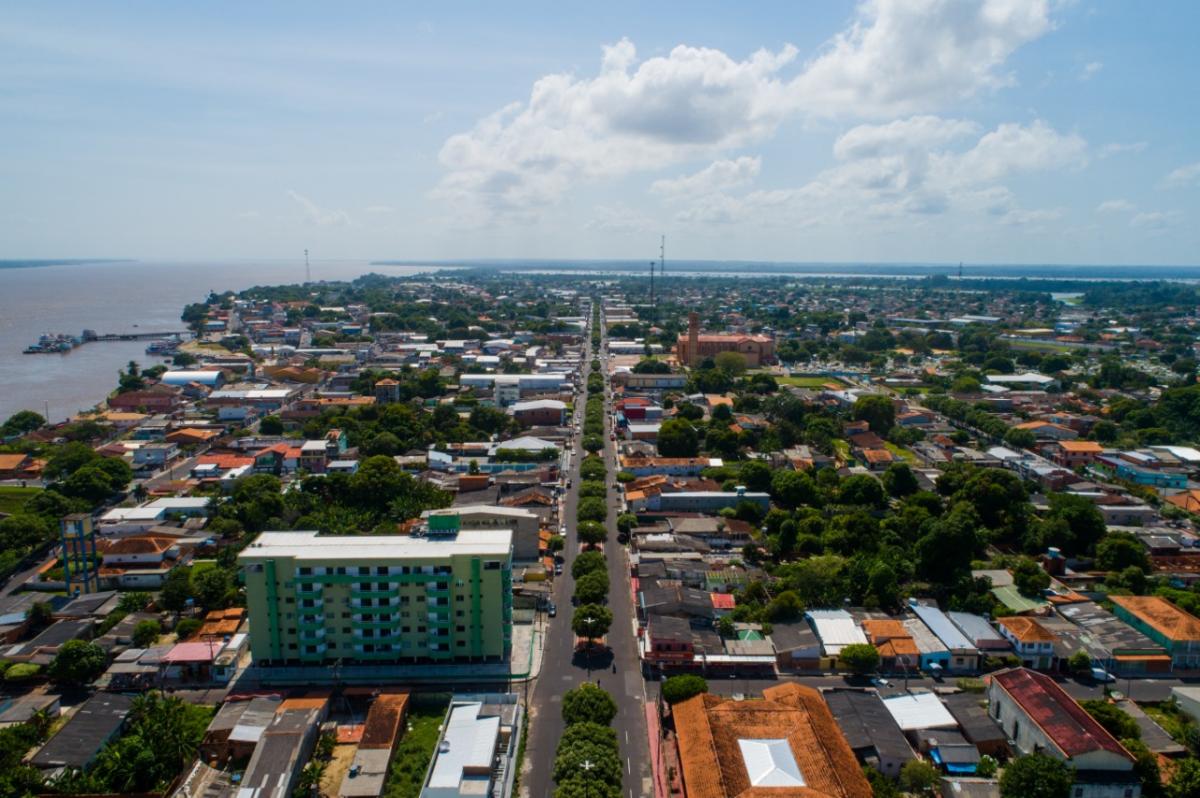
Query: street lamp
{"type": "Point", "coordinates": [589, 621]}
{"type": "Point", "coordinates": [587, 767]}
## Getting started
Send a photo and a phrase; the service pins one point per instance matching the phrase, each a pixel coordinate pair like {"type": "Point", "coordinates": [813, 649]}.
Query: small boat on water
{"type": "Point", "coordinates": [52, 344]}
{"type": "Point", "coordinates": [164, 346]}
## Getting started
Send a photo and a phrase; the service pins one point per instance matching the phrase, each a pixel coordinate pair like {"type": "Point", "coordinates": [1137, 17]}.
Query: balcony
{"type": "Point", "coordinates": [357, 592]}
{"type": "Point", "coordinates": [435, 619]}
{"type": "Point", "coordinates": [310, 621]}
{"type": "Point", "coordinates": [310, 636]}
{"type": "Point", "coordinates": [311, 605]}
{"type": "Point", "coordinates": [318, 653]}
{"type": "Point", "coordinates": [364, 623]}
{"type": "Point", "coordinates": [386, 609]}
{"type": "Point", "coordinates": [307, 589]}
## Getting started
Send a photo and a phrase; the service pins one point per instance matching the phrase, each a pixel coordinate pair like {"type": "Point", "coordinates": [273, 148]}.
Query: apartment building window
{"type": "Point", "coordinates": [460, 628]}
{"type": "Point", "coordinates": [304, 570]}
{"type": "Point", "coordinates": [405, 629]}
{"type": "Point", "coordinates": [381, 570]}
{"type": "Point", "coordinates": [345, 630]}
{"type": "Point", "coordinates": [459, 613]}
{"type": "Point", "coordinates": [491, 565]}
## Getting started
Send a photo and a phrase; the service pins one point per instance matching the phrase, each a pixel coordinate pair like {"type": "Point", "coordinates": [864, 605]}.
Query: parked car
{"type": "Point", "coordinates": [558, 569]}
{"type": "Point", "coordinates": [552, 609]}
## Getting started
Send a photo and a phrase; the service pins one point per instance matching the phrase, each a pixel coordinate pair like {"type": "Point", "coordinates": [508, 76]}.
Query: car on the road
{"type": "Point", "coordinates": [881, 682]}
{"type": "Point", "coordinates": [552, 609]}
{"type": "Point", "coordinates": [558, 569]}
{"type": "Point", "coordinates": [1102, 676]}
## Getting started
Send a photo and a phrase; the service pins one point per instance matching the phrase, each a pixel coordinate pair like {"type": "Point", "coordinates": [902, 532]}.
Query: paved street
{"type": "Point", "coordinates": [561, 670]}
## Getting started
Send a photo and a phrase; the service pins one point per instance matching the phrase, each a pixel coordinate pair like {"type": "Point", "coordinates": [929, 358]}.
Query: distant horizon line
{"type": "Point", "coordinates": [641, 262]}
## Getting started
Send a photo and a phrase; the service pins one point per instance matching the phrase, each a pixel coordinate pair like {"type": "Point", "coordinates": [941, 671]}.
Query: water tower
{"type": "Point", "coordinates": [80, 566]}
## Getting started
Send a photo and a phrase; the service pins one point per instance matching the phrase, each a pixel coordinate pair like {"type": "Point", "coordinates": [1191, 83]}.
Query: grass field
{"type": "Point", "coordinates": [414, 752]}
{"type": "Point", "coordinates": [810, 381]}
{"type": "Point", "coordinates": [13, 497]}
{"type": "Point", "coordinates": [901, 452]}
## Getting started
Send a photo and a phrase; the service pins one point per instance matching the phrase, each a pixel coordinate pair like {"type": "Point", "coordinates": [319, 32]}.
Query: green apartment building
{"type": "Point", "coordinates": [443, 597]}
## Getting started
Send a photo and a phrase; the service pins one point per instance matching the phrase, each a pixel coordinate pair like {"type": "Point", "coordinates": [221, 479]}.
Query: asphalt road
{"type": "Point", "coordinates": [562, 669]}
{"type": "Point", "coordinates": [559, 671]}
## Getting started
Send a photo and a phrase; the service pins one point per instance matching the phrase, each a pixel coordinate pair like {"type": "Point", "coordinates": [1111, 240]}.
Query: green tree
{"type": "Point", "coordinates": [1036, 776]}
{"type": "Point", "coordinates": [581, 785]}
{"type": "Point", "coordinates": [77, 663]}
{"type": "Point", "coordinates": [24, 530]}
{"type": "Point", "coordinates": [145, 633]}
{"type": "Point", "coordinates": [1080, 662]}
{"type": "Point", "coordinates": [1082, 517]}
{"type": "Point", "coordinates": [586, 562]}
{"type": "Point", "coordinates": [588, 703]}
{"type": "Point", "coordinates": [900, 481]}
{"type": "Point", "coordinates": [271, 425]}
{"type": "Point", "coordinates": [626, 522]}
{"type": "Point", "coordinates": [682, 687]}
{"type": "Point", "coordinates": [40, 615]}
{"type": "Point", "coordinates": [793, 488]}
{"type": "Point", "coordinates": [877, 410]}
{"type": "Point", "coordinates": [1120, 550]}
{"type": "Point", "coordinates": [862, 490]}
{"type": "Point", "coordinates": [591, 621]}
{"type": "Point", "coordinates": [22, 422]}
{"type": "Point", "coordinates": [592, 587]}
{"type": "Point", "coordinates": [1185, 781]}
{"type": "Point", "coordinates": [1029, 578]}
{"type": "Point", "coordinates": [919, 777]}
{"type": "Point", "coordinates": [860, 657]}
{"type": "Point", "coordinates": [591, 509]}
{"type": "Point", "coordinates": [176, 590]}
{"type": "Point", "coordinates": [591, 532]}
{"type": "Point", "coordinates": [1118, 723]}
{"type": "Point", "coordinates": [677, 438]}
{"type": "Point", "coordinates": [212, 588]}
{"type": "Point", "coordinates": [730, 362]}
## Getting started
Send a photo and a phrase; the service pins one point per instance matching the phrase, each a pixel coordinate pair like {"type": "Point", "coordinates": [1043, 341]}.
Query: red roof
{"type": "Point", "coordinates": [722, 601]}
{"type": "Point", "coordinates": [224, 460]}
{"type": "Point", "coordinates": [1067, 724]}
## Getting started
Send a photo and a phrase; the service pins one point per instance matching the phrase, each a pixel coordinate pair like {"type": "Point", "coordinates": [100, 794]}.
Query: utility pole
{"type": "Point", "coordinates": [652, 286]}
{"type": "Point", "coordinates": [307, 269]}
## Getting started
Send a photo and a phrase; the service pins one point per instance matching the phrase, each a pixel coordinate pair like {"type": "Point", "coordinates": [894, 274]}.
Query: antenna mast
{"type": "Point", "coordinates": [662, 257]}
{"type": "Point", "coordinates": [652, 286]}
{"type": "Point", "coordinates": [307, 269]}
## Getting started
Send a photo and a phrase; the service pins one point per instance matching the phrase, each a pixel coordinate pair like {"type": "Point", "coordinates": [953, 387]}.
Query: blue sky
{"type": "Point", "coordinates": [887, 130]}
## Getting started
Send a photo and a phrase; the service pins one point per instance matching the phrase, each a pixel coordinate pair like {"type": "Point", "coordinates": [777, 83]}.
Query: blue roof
{"type": "Point", "coordinates": [941, 625]}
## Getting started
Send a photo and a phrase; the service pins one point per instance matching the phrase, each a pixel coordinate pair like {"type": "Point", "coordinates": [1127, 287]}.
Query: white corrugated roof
{"type": "Point", "coordinates": [470, 742]}
{"type": "Point", "coordinates": [919, 711]}
{"type": "Point", "coordinates": [308, 545]}
{"type": "Point", "coordinates": [771, 763]}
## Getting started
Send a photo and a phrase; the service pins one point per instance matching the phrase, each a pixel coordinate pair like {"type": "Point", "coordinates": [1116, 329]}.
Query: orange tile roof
{"type": "Point", "coordinates": [1161, 615]}
{"type": "Point", "coordinates": [884, 628]}
{"type": "Point", "coordinates": [384, 719]}
{"type": "Point", "coordinates": [709, 729]}
{"type": "Point", "coordinates": [1026, 630]}
{"type": "Point", "coordinates": [1188, 500]}
{"type": "Point", "coordinates": [1082, 447]}
{"type": "Point", "coordinates": [11, 462]}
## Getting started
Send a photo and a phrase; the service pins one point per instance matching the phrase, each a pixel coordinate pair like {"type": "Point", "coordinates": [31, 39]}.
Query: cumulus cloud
{"type": "Point", "coordinates": [911, 168]}
{"type": "Point", "coordinates": [1154, 220]}
{"type": "Point", "coordinates": [1184, 176]}
{"type": "Point", "coordinates": [897, 57]}
{"type": "Point", "coordinates": [1116, 206]}
{"type": "Point", "coordinates": [318, 216]}
{"type": "Point", "coordinates": [1090, 70]}
{"type": "Point", "coordinates": [718, 175]}
{"type": "Point", "coordinates": [1119, 148]}
{"type": "Point", "coordinates": [619, 219]}
{"type": "Point", "coordinates": [903, 56]}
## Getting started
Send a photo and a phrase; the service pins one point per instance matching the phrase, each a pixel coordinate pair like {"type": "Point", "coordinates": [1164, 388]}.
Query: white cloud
{"type": "Point", "coordinates": [1183, 176]}
{"type": "Point", "coordinates": [1154, 220]}
{"type": "Point", "coordinates": [915, 133]}
{"type": "Point", "coordinates": [1090, 70]}
{"type": "Point", "coordinates": [318, 216]}
{"type": "Point", "coordinates": [1118, 148]}
{"type": "Point", "coordinates": [619, 219]}
{"type": "Point", "coordinates": [1116, 206]}
{"type": "Point", "coordinates": [896, 57]}
{"type": "Point", "coordinates": [905, 173]}
{"type": "Point", "coordinates": [379, 209]}
{"type": "Point", "coordinates": [718, 175]}
{"type": "Point", "coordinates": [904, 56]}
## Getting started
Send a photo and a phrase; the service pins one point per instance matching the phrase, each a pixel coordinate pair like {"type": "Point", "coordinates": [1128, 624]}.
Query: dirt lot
{"type": "Point", "coordinates": [331, 780]}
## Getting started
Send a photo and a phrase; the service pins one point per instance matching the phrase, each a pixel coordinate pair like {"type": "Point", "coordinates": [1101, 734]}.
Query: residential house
{"type": "Point", "coordinates": [1032, 642]}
